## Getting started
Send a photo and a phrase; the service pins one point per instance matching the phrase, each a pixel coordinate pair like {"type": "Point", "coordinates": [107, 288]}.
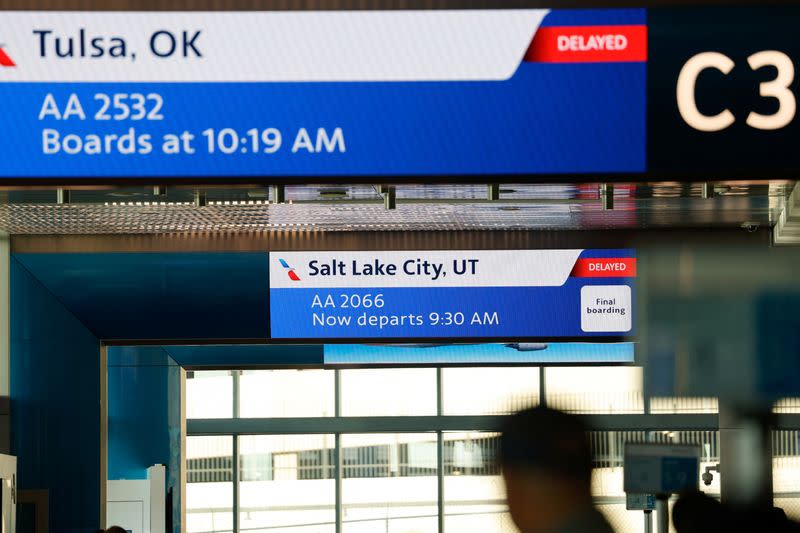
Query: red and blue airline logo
{"type": "Point", "coordinates": [5, 59]}
{"type": "Point", "coordinates": [289, 271]}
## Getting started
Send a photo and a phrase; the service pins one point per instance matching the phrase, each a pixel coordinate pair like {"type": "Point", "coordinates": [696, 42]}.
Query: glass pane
{"type": "Point", "coordinates": [390, 483]}
{"type": "Point", "coordinates": [209, 394]}
{"type": "Point", "coordinates": [286, 393]}
{"type": "Point", "coordinates": [287, 484]}
{"type": "Point", "coordinates": [622, 520]}
{"type": "Point", "coordinates": [209, 484]}
{"type": "Point", "coordinates": [790, 505]}
{"type": "Point", "coordinates": [787, 405]}
{"type": "Point", "coordinates": [786, 471]}
{"type": "Point", "coordinates": [389, 392]}
{"type": "Point", "coordinates": [489, 391]}
{"type": "Point", "coordinates": [608, 452]}
{"type": "Point", "coordinates": [595, 389]}
{"type": "Point", "coordinates": [474, 492]}
{"type": "Point", "coordinates": [683, 404]}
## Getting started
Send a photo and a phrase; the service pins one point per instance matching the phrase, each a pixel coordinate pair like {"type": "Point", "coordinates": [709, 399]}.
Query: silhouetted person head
{"type": "Point", "coordinates": [116, 529]}
{"type": "Point", "coordinates": [547, 466]}
{"type": "Point", "coordinates": [694, 512]}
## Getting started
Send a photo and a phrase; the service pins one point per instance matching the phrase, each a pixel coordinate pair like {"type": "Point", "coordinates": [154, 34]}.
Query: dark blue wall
{"type": "Point", "coordinates": [252, 355]}
{"type": "Point", "coordinates": [138, 412]}
{"type": "Point", "coordinates": [175, 296]}
{"type": "Point", "coordinates": [778, 344]}
{"type": "Point", "coordinates": [55, 404]}
{"type": "Point", "coordinates": [144, 399]}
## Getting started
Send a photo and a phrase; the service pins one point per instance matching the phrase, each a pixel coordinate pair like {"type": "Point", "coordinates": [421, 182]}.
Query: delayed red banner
{"type": "Point", "coordinates": [589, 44]}
{"type": "Point", "coordinates": [619, 267]}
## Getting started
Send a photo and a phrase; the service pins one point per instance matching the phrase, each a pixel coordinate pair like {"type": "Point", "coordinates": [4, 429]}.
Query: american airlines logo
{"type": "Point", "coordinates": [5, 59]}
{"type": "Point", "coordinates": [289, 270]}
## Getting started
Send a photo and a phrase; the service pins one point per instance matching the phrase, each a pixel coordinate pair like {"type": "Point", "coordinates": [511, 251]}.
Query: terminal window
{"type": "Point", "coordinates": [388, 480]}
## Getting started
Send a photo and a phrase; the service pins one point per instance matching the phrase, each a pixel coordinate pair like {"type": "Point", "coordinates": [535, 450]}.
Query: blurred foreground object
{"type": "Point", "coordinates": [696, 512]}
{"type": "Point", "coordinates": [547, 468]}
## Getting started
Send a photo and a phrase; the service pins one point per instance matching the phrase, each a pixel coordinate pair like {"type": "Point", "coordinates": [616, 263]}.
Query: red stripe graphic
{"type": "Point", "coordinates": [293, 276]}
{"type": "Point", "coordinates": [589, 44]}
{"type": "Point", "coordinates": [618, 267]}
{"type": "Point", "coordinates": [5, 60]}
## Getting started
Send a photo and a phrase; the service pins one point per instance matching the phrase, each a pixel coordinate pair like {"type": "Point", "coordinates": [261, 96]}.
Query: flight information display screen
{"type": "Point", "coordinates": [476, 294]}
{"type": "Point", "coordinates": [231, 95]}
{"type": "Point", "coordinates": [523, 95]}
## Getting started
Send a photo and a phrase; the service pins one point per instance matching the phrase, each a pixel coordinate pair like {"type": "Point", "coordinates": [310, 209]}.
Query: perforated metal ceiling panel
{"type": "Point", "coordinates": [419, 207]}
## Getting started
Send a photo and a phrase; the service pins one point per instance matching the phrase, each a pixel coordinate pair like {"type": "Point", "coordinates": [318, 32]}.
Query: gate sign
{"type": "Point", "coordinates": [293, 95]}
{"type": "Point", "coordinates": [723, 92]}
{"type": "Point", "coordinates": [487, 294]}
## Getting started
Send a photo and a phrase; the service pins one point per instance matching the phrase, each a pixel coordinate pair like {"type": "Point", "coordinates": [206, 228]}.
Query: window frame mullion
{"type": "Point", "coordinates": [440, 449]}
{"type": "Point", "coordinates": [236, 375]}
{"type": "Point", "coordinates": [338, 471]}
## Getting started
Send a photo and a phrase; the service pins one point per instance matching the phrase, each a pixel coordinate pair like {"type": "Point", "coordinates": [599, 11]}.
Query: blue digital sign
{"type": "Point", "coordinates": [513, 92]}
{"type": "Point", "coordinates": [497, 294]}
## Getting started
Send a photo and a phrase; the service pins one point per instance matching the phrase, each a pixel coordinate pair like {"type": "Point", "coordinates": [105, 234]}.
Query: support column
{"type": "Point", "coordinates": [103, 434]}
{"type": "Point", "coordinates": [440, 450]}
{"type": "Point", "coordinates": [745, 441]}
{"type": "Point", "coordinates": [607, 196]}
{"type": "Point", "coordinates": [5, 344]}
{"type": "Point", "coordinates": [236, 375]}
{"type": "Point", "coordinates": [338, 469]}
{"type": "Point", "coordinates": [390, 198]}
{"type": "Point", "coordinates": [278, 194]}
{"type": "Point", "coordinates": [183, 461]}
{"type": "Point", "coordinates": [662, 514]}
